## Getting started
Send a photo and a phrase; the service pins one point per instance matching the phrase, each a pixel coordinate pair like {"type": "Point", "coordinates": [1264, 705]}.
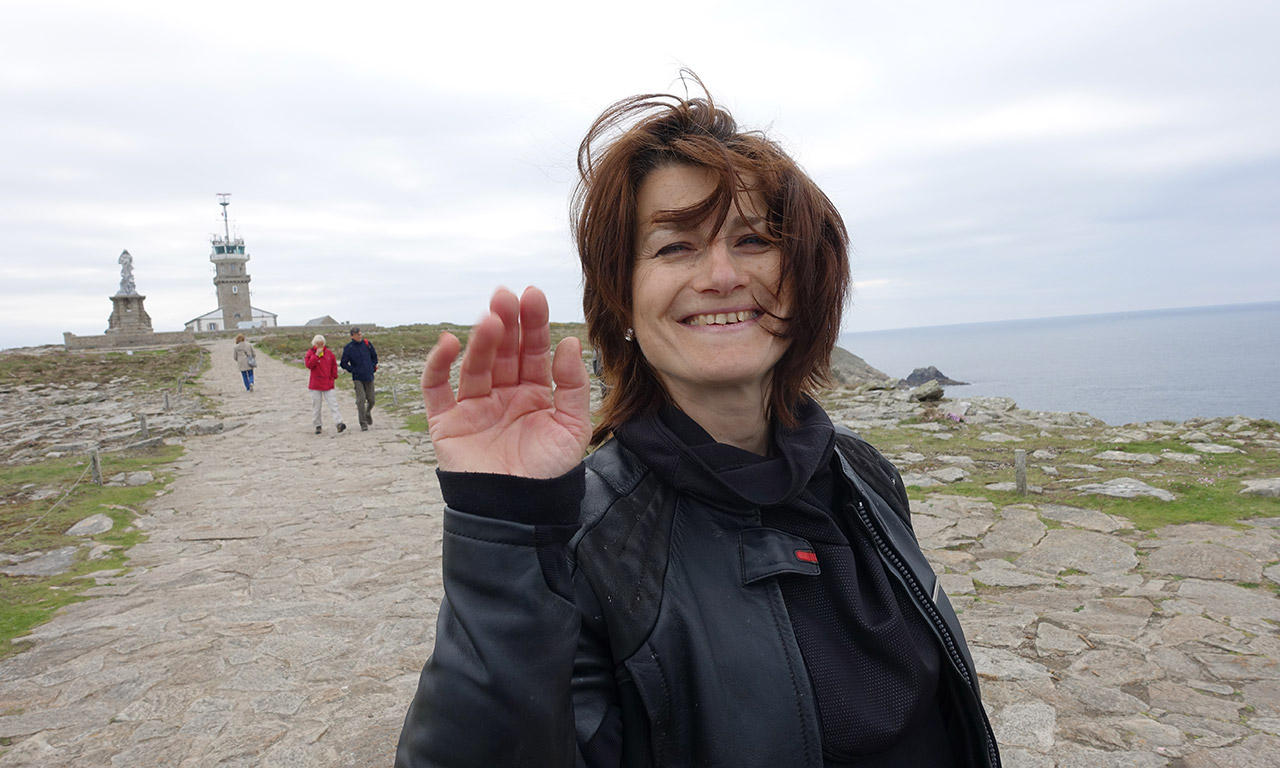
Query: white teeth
{"type": "Point", "coordinates": [723, 318]}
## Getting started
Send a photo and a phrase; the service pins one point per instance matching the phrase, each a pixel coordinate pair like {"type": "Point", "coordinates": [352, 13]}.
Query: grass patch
{"type": "Point", "coordinates": [146, 369]}
{"type": "Point", "coordinates": [30, 525]}
{"type": "Point", "coordinates": [1207, 491]}
{"type": "Point", "coordinates": [402, 341]}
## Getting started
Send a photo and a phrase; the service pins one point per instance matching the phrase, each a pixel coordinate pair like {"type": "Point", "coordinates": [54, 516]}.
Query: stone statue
{"type": "Point", "coordinates": [127, 288]}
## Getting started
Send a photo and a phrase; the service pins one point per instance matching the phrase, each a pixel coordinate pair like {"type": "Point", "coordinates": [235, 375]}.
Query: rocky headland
{"type": "Point", "coordinates": [1122, 612]}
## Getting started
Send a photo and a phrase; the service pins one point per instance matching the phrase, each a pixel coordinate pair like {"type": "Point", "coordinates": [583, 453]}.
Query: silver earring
{"type": "Point", "coordinates": [630, 335]}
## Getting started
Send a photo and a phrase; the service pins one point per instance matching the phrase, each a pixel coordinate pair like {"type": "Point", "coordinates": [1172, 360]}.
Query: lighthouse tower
{"type": "Point", "coordinates": [230, 277]}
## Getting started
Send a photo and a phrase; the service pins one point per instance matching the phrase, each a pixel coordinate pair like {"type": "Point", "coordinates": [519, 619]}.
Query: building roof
{"type": "Point", "coordinates": [325, 320]}
{"type": "Point", "coordinates": [216, 314]}
{"type": "Point", "coordinates": [210, 315]}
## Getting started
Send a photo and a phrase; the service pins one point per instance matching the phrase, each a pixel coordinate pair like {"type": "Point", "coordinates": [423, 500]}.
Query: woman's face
{"type": "Point", "coordinates": [700, 298]}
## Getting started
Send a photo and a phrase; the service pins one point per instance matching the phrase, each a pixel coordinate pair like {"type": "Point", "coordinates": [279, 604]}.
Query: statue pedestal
{"type": "Point", "coordinates": [128, 316]}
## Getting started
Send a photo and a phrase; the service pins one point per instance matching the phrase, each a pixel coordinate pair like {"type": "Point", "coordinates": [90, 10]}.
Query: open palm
{"type": "Point", "coordinates": [516, 412]}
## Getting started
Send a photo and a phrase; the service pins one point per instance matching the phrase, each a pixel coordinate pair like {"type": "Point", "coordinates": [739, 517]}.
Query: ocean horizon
{"type": "Point", "coordinates": [1122, 367]}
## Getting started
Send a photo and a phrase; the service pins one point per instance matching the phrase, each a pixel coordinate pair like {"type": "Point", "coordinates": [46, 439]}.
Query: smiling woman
{"type": "Point", "coordinates": [729, 579]}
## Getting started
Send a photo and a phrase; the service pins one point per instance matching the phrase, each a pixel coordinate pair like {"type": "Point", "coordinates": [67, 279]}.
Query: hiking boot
{"type": "Point", "coordinates": [317, 430]}
{"type": "Point", "coordinates": [364, 427]}
{"type": "Point", "coordinates": [341, 426]}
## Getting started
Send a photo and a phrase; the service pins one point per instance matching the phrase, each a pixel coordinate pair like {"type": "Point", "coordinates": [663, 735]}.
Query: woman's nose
{"type": "Point", "coordinates": [720, 269]}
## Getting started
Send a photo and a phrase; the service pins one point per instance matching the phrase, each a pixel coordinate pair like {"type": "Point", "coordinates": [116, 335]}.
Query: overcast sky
{"type": "Point", "coordinates": [392, 162]}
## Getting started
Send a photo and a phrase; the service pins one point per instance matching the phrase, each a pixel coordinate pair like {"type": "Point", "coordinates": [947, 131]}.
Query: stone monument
{"type": "Point", "coordinates": [127, 314]}
{"type": "Point", "coordinates": [129, 325]}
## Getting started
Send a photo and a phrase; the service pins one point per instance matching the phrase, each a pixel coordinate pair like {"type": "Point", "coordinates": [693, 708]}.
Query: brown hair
{"type": "Point", "coordinates": [643, 133]}
{"type": "Point", "coordinates": [239, 337]}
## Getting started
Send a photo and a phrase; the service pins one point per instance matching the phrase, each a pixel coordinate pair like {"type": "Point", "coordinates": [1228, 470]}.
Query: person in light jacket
{"type": "Point", "coordinates": [246, 359]}
{"type": "Point", "coordinates": [324, 371]}
{"type": "Point", "coordinates": [728, 579]}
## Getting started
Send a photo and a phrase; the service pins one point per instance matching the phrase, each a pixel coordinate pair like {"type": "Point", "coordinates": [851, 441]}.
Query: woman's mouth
{"type": "Point", "coordinates": [722, 318]}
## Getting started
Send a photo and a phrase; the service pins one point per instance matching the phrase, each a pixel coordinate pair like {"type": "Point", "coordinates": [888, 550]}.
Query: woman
{"type": "Point", "coordinates": [728, 579]}
{"type": "Point", "coordinates": [324, 371]}
{"type": "Point", "coordinates": [246, 360]}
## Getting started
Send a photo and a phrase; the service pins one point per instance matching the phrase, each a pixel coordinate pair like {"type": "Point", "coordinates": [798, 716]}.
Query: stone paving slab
{"type": "Point", "coordinates": [285, 601]}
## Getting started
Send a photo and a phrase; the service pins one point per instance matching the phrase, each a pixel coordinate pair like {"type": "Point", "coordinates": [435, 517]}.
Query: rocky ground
{"type": "Point", "coordinates": [284, 602]}
{"type": "Point", "coordinates": [47, 418]}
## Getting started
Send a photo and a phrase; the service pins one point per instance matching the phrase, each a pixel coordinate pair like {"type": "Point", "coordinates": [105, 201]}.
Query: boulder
{"type": "Point", "coordinates": [998, 437]}
{"type": "Point", "coordinates": [1127, 458]}
{"type": "Point", "coordinates": [1214, 448]}
{"type": "Point", "coordinates": [91, 526]}
{"type": "Point", "coordinates": [921, 375]}
{"type": "Point", "coordinates": [927, 392]}
{"type": "Point", "coordinates": [949, 474]}
{"type": "Point", "coordinates": [1125, 488]}
{"type": "Point", "coordinates": [138, 478]}
{"type": "Point", "coordinates": [46, 564]}
{"type": "Point", "coordinates": [1269, 487]}
{"type": "Point", "coordinates": [204, 427]}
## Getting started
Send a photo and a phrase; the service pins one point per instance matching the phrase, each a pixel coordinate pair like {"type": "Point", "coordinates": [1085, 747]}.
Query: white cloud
{"type": "Point", "coordinates": [393, 161]}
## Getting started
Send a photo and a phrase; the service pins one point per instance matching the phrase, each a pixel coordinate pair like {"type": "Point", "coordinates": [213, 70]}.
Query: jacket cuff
{"type": "Point", "coordinates": [527, 500]}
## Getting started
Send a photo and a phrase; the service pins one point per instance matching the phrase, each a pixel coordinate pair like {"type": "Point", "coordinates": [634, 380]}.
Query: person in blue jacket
{"type": "Point", "coordinates": [729, 579]}
{"type": "Point", "coordinates": [360, 359]}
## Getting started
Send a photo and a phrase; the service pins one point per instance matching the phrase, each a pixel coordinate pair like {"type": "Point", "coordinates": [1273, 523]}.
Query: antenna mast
{"type": "Point", "coordinates": [224, 202]}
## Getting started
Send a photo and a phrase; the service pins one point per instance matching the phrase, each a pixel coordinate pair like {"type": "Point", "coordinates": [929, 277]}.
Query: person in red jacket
{"type": "Point", "coordinates": [324, 370]}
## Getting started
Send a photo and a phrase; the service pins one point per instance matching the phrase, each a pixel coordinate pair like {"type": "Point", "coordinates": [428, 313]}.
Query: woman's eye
{"type": "Point", "coordinates": [675, 249]}
{"type": "Point", "coordinates": [753, 241]}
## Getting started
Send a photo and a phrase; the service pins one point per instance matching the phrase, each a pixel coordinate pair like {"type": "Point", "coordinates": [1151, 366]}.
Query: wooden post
{"type": "Point", "coordinates": [166, 401]}
{"type": "Point", "coordinates": [142, 426]}
{"type": "Point", "coordinates": [394, 400]}
{"type": "Point", "coordinates": [1020, 470]}
{"type": "Point", "coordinates": [95, 463]}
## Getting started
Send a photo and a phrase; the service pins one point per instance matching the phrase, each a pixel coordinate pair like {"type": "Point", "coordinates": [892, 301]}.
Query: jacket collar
{"type": "Point", "coordinates": [681, 453]}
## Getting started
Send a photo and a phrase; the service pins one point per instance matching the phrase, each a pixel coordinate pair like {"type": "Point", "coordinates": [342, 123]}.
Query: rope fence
{"type": "Point", "coordinates": [92, 463]}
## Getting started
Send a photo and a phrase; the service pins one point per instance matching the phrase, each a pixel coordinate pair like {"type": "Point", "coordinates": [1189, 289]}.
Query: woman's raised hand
{"type": "Point", "coordinates": [516, 411]}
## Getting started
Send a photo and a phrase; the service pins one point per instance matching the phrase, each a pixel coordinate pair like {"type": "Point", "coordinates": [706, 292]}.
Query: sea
{"type": "Point", "coordinates": [1124, 367]}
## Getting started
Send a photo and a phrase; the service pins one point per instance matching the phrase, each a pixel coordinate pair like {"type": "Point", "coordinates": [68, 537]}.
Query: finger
{"type": "Point", "coordinates": [572, 398]}
{"type": "Point", "coordinates": [506, 362]}
{"type": "Point", "coordinates": [437, 395]}
{"type": "Point", "coordinates": [475, 377]}
{"type": "Point", "coordinates": [535, 341]}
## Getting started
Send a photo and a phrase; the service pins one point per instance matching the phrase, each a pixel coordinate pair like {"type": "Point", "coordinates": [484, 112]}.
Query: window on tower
{"type": "Point", "coordinates": [235, 289]}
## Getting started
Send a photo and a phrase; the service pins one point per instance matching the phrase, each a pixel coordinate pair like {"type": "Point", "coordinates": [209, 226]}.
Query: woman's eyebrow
{"type": "Point", "coordinates": [655, 228]}
{"type": "Point", "coordinates": [752, 222]}
{"type": "Point", "coordinates": [733, 221]}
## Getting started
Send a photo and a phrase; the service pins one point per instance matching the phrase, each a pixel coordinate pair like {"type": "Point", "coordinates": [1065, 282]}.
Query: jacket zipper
{"type": "Point", "coordinates": [931, 612]}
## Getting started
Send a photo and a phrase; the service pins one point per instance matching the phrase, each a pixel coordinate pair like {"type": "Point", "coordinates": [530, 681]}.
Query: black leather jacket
{"type": "Point", "coordinates": [656, 635]}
